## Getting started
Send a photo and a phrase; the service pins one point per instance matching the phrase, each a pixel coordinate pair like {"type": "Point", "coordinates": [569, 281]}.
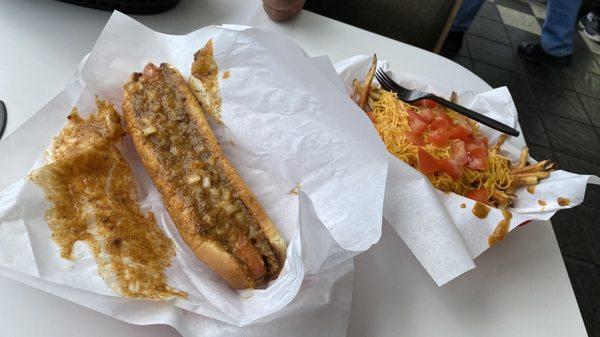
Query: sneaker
{"type": "Point", "coordinates": [534, 53]}
{"type": "Point", "coordinates": [590, 25]}
{"type": "Point", "coordinates": [453, 44]}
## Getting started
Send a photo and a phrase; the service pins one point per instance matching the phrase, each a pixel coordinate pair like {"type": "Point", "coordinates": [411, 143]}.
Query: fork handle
{"type": "Point", "coordinates": [494, 124]}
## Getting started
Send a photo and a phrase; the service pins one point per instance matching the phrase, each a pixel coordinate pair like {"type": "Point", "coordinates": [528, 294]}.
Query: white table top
{"type": "Point", "coordinates": [520, 288]}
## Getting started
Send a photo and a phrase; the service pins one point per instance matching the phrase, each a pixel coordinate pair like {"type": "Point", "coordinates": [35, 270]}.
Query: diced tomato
{"type": "Point", "coordinates": [425, 103]}
{"type": "Point", "coordinates": [478, 195]}
{"type": "Point", "coordinates": [474, 144]}
{"type": "Point", "coordinates": [462, 120]}
{"type": "Point", "coordinates": [440, 111]}
{"type": "Point", "coordinates": [414, 139]}
{"type": "Point", "coordinates": [481, 141]}
{"type": "Point", "coordinates": [478, 157]}
{"type": "Point", "coordinates": [427, 114]}
{"type": "Point", "coordinates": [440, 123]}
{"type": "Point", "coordinates": [451, 167]}
{"type": "Point", "coordinates": [427, 164]}
{"type": "Point", "coordinates": [459, 153]}
{"type": "Point", "coordinates": [416, 122]}
{"type": "Point", "coordinates": [439, 137]}
{"type": "Point", "coordinates": [461, 132]}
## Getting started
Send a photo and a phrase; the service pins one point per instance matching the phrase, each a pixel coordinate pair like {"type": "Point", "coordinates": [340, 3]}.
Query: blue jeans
{"type": "Point", "coordinates": [558, 30]}
{"type": "Point", "coordinates": [466, 14]}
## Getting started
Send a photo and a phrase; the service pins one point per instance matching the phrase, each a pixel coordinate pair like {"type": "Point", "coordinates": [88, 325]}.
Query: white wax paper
{"type": "Point", "coordinates": [444, 237]}
{"type": "Point", "coordinates": [287, 122]}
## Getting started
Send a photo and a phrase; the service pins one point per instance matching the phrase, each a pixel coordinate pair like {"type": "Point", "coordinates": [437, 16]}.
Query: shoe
{"type": "Point", "coordinates": [590, 25]}
{"type": "Point", "coordinates": [453, 44]}
{"type": "Point", "coordinates": [534, 53]}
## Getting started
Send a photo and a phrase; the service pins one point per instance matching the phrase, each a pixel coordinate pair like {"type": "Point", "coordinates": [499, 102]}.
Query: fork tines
{"type": "Point", "coordinates": [383, 80]}
{"type": "Point", "coordinates": [387, 83]}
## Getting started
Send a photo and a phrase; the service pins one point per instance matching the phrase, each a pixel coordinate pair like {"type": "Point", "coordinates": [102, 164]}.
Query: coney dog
{"type": "Point", "coordinates": [215, 212]}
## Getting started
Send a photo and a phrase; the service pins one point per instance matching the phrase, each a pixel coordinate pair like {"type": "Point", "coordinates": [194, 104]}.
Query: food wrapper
{"type": "Point", "coordinates": [287, 123]}
{"type": "Point", "coordinates": [444, 237]}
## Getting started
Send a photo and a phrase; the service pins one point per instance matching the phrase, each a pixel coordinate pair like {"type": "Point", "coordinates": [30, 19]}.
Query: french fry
{"type": "Point", "coordinates": [524, 156]}
{"type": "Point", "coordinates": [501, 140]}
{"type": "Point", "coordinates": [502, 197]}
{"type": "Point", "coordinates": [525, 181]}
{"type": "Point", "coordinates": [375, 93]}
{"type": "Point", "coordinates": [539, 175]}
{"type": "Point", "coordinates": [454, 97]}
{"type": "Point", "coordinates": [370, 101]}
{"type": "Point", "coordinates": [550, 167]}
{"type": "Point", "coordinates": [544, 165]}
{"type": "Point", "coordinates": [364, 93]}
{"type": "Point", "coordinates": [357, 86]}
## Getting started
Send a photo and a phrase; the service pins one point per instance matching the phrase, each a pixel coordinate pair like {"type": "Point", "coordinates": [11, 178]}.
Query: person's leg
{"type": "Point", "coordinates": [464, 18]}
{"type": "Point", "coordinates": [558, 30]}
{"type": "Point", "coordinates": [556, 46]}
{"type": "Point", "coordinates": [466, 14]}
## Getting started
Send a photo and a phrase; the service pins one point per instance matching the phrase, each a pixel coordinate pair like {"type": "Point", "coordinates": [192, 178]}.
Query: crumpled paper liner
{"type": "Point", "coordinates": [444, 237]}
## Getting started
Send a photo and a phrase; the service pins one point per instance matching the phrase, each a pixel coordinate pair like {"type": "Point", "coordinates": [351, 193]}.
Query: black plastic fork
{"type": "Point", "coordinates": [410, 96]}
